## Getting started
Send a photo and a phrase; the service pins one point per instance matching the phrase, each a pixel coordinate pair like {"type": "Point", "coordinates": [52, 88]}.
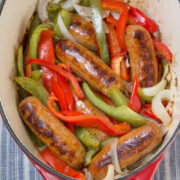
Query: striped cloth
{"type": "Point", "coordinates": [14, 165]}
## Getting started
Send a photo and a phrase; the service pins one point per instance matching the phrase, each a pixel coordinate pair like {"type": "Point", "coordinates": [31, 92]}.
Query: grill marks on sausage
{"type": "Point", "coordinates": [148, 78]}
{"type": "Point", "coordinates": [86, 61]}
{"type": "Point", "coordinates": [42, 128]}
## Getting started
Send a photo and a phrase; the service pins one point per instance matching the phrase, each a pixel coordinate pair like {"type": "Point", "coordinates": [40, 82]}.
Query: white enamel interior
{"type": "Point", "coordinates": [13, 21]}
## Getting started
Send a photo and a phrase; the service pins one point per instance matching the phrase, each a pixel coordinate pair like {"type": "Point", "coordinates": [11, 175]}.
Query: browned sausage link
{"type": "Point", "coordinates": [86, 107]}
{"type": "Point", "coordinates": [130, 149]}
{"type": "Point", "coordinates": [142, 55]}
{"type": "Point", "coordinates": [83, 32]}
{"type": "Point", "coordinates": [52, 132]}
{"type": "Point", "coordinates": [88, 66]}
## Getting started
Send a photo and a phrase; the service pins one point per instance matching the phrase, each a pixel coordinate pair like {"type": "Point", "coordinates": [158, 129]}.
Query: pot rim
{"type": "Point", "coordinates": [54, 172]}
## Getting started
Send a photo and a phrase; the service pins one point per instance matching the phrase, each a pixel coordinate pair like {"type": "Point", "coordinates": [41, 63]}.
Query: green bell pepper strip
{"type": "Point", "coordinates": [89, 155]}
{"type": "Point", "coordinates": [34, 41]}
{"type": "Point", "coordinates": [37, 74]}
{"type": "Point", "coordinates": [20, 68]}
{"type": "Point", "coordinates": [85, 3]}
{"type": "Point", "coordinates": [121, 114]}
{"type": "Point", "coordinates": [107, 141]}
{"type": "Point", "coordinates": [33, 87]}
{"type": "Point", "coordinates": [118, 97]}
{"type": "Point", "coordinates": [86, 138]}
{"type": "Point", "coordinates": [53, 7]}
{"type": "Point", "coordinates": [99, 30]}
{"type": "Point", "coordinates": [144, 97]}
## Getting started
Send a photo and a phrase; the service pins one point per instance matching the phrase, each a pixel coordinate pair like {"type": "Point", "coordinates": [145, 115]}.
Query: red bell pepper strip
{"type": "Point", "coordinates": [114, 5]}
{"type": "Point", "coordinates": [28, 66]}
{"type": "Point", "coordinates": [113, 42]}
{"type": "Point", "coordinates": [61, 72]}
{"type": "Point", "coordinates": [121, 29]}
{"type": "Point", "coordinates": [135, 101]}
{"type": "Point", "coordinates": [111, 20]}
{"type": "Point", "coordinates": [65, 67]}
{"type": "Point", "coordinates": [147, 110]}
{"type": "Point", "coordinates": [59, 93]}
{"type": "Point", "coordinates": [60, 166]}
{"type": "Point", "coordinates": [137, 17]}
{"type": "Point", "coordinates": [46, 53]}
{"type": "Point", "coordinates": [84, 120]}
{"type": "Point", "coordinates": [69, 98]}
{"type": "Point", "coordinates": [105, 98]}
{"type": "Point", "coordinates": [162, 49]}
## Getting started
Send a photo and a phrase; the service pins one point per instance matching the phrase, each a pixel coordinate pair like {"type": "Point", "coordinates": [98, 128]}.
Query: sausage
{"type": "Point", "coordinates": [88, 66]}
{"type": "Point", "coordinates": [52, 132]}
{"type": "Point", "coordinates": [86, 107]}
{"type": "Point", "coordinates": [143, 59]}
{"type": "Point", "coordinates": [83, 32]}
{"type": "Point", "coordinates": [130, 148]}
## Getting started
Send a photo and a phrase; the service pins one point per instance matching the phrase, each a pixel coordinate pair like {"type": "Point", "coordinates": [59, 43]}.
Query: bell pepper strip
{"type": "Point", "coordinates": [113, 42]}
{"type": "Point", "coordinates": [84, 120]}
{"type": "Point", "coordinates": [37, 74]}
{"type": "Point", "coordinates": [121, 29]}
{"type": "Point", "coordinates": [20, 69]}
{"type": "Point", "coordinates": [121, 114]}
{"type": "Point", "coordinates": [34, 41]}
{"type": "Point", "coordinates": [88, 140]}
{"type": "Point", "coordinates": [66, 67]}
{"type": "Point", "coordinates": [135, 101]}
{"type": "Point", "coordinates": [162, 49]}
{"type": "Point", "coordinates": [89, 155]}
{"type": "Point", "coordinates": [61, 72]}
{"type": "Point", "coordinates": [147, 110]}
{"type": "Point", "coordinates": [59, 93]}
{"type": "Point", "coordinates": [69, 98]}
{"type": "Point", "coordinates": [139, 18]}
{"type": "Point", "coordinates": [114, 5]}
{"type": "Point", "coordinates": [118, 97]}
{"type": "Point", "coordinates": [28, 66]}
{"type": "Point", "coordinates": [33, 87]}
{"type": "Point", "coordinates": [60, 166]}
{"type": "Point", "coordinates": [144, 97]}
{"type": "Point", "coordinates": [46, 53]}
{"type": "Point", "coordinates": [111, 20]}
{"type": "Point", "coordinates": [107, 141]}
{"type": "Point", "coordinates": [70, 127]}
{"type": "Point", "coordinates": [99, 30]}
{"type": "Point", "coordinates": [105, 98]}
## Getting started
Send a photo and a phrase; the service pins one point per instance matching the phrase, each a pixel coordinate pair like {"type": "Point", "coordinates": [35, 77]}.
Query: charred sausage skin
{"type": "Point", "coordinates": [83, 32]}
{"type": "Point", "coordinates": [142, 55]}
{"type": "Point", "coordinates": [131, 147]}
{"type": "Point", "coordinates": [52, 132]}
{"type": "Point", "coordinates": [88, 66]}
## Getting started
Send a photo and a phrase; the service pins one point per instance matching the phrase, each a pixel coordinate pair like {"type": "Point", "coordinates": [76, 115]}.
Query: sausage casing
{"type": "Point", "coordinates": [143, 59]}
{"type": "Point", "coordinates": [88, 66]}
{"type": "Point", "coordinates": [52, 132]}
{"type": "Point", "coordinates": [83, 32]}
{"type": "Point", "coordinates": [131, 147]}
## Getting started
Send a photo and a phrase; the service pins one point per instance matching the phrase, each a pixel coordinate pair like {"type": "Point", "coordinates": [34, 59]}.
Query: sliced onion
{"type": "Point", "coordinates": [84, 12]}
{"type": "Point", "coordinates": [153, 91]}
{"type": "Point", "coordinates": [69, 4]}
{"type": "Point", "coordinates": [63, 28]}
{"type": "Point", "coordinates": [105, 13]}
{"type": "Point", "coordinates": [115, 15]}
{"type": "Point", "coordinates": [114, 155]}
{"type": "Point", "coordinates": [106, 29]}
{"type": "Point", "coordinates": [88, 175]}
{"type": "Point", "coordinates": [110, 173]}
{"type": "Point", "coordinates": [42, 10]}
{"type": "Point", "coordinates": [157, 107]}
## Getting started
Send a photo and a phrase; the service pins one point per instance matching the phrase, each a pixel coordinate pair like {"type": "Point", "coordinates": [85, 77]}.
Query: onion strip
{"type": "Point", "coordinates": [157, 107]}
{"type": "Point", "coordinates": [153, 91]}
{"type": "Point", "coordinates": [110, 173]}
{"type": "Point", "coordinates": [63, 28]}
{"type": "Point", "coordinates": [69, 4]}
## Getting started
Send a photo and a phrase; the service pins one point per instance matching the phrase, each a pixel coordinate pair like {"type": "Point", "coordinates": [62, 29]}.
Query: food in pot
{"type": "Point", "coordinates": [93, 86]}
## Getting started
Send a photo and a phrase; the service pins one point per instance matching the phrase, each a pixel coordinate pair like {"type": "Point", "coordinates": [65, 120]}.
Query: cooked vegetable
{"type": "Point", "coordinates": [86, 138]}
{"type": "Point", "coordinates": [82, 120]}
{"type": "Point", "coordinates": [85, 2]}
{"type": "Point", "coordinates": [33, 87]}
{"type": "Point", "coordinates": [118, 97]}
{"type": "Point", "coordinates": [20, 68]}
{"type": "Point", "coordinates": [69, 4]}
{"type": "Point", "coordinates": [144, 97]}
{"type": "Point", "coordinates": [89, 155]}
{"type": "Point", "coordinates": [37, 74]}
{"type": "Point", "coordinates": [99, 30]}
{"type": "Point", "coordinates": [60, 166]}
{"type": "Point", "coordinates": [122, 113]}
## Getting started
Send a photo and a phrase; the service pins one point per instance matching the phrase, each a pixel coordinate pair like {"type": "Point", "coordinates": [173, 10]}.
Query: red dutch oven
{"type": "Point", "coordinates": [14, 19]}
